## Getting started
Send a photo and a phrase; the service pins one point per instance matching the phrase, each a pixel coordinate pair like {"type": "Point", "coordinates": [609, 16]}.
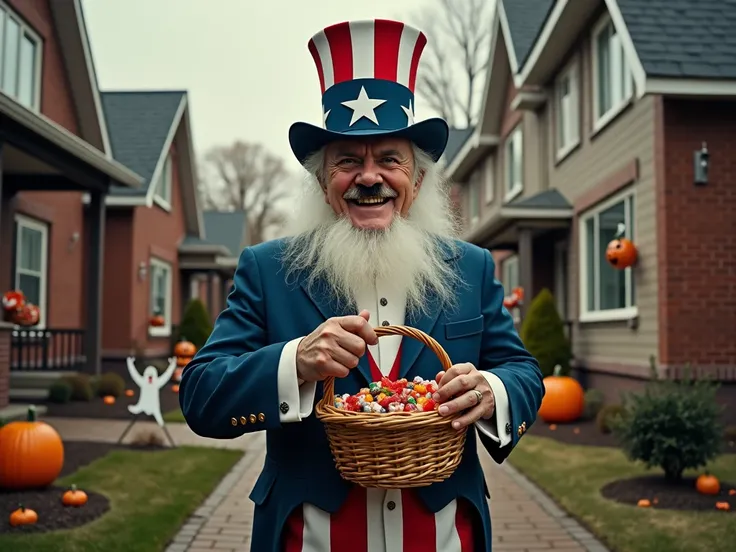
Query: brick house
{"type": "Point", "coordinates": [592, 118]}
{"type": "Point", "coordinates": [98, 207]}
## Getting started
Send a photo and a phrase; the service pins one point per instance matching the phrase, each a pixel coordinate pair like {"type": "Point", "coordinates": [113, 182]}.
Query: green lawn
{"type": "Point", "coordinates": [174, 417]}
{"type": "Point", "coordinates": [574, 475]}
{"type": "Point", "coordinates": [151, 495]}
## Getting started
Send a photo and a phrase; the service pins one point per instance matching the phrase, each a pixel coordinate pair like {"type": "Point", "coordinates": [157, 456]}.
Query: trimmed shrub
{"type": "Point", "coordinates": [672, 424]}
{"type": "Point", "coordinates": [593, 403]}
{"type": "Point", "coordinates": [110, 383]}
{"type": "Point", "coordinates": [195, 324]}
{"type": "Point", "coordinates": [81, 388]}
{"type": "Point", "coordinates": [60, 392]}
{"type": "Point", "coordinates": [607, 416]}
{"type": "Point", "coordinates": [543, 335]}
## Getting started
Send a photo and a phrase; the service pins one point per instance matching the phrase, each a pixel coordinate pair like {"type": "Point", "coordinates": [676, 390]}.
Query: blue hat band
{"type": "Point", "coordinates": [364, 105]}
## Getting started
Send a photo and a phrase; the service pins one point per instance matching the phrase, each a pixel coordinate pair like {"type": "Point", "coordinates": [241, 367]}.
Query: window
{"type": "Point", "coordinates": [160, 285]}
{"type": "Point", "coordinates": [514, 176]}
{"type": "Point", "coordinates": [163, 187]}
{"type": "Point", "coordinates": [489, 179]}
{"type": "Point", "coordinates": [606, 292]}
{"type": "Point", "coordinates": [473, 198]}
{"type": "Point", "coordinates": [31, 262]}
{"type": "Point", "coordinates": [567, 109]}
{"type": "Point", "coordinates": [612, 78]}
{"type": "Point", "coordinates": [20, 56]}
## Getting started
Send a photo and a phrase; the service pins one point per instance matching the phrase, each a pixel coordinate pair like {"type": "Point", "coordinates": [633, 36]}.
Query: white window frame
{"type": "Point", "coordinates": [24, 29]}
{"type": "Point", "coordinates": [473, 198]}
{"type": "Point", "coordinates": [36, 225]}
{"type": "Point", "coordinates": [165, 181]}
{"type": "Point", "coordinates": [513, 146]}
{"type": "Point", "coordinates": [618, 65]}
{"type": "Point", "coordinates": [630, 310]}
{"type": "Point", "coordinates": [154, 265]}
{"type": "Point", "coordinates": [567, 115]}
{"type": "Point", "coordinates": [489, 179]}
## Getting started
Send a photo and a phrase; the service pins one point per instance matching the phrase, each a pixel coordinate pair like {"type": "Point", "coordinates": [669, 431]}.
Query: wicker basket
{"type": "Point", "coordinates": [392, 450]}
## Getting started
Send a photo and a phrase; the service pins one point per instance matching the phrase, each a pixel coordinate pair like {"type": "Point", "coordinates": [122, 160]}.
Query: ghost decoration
{"type": "Point", "coordinates": [150, 384]}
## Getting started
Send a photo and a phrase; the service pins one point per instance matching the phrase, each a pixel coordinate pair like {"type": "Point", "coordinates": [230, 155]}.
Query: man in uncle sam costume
{"type": "Point", "coordinates": [373, 245]}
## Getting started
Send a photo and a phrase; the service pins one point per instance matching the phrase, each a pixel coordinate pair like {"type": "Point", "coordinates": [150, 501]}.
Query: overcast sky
{"type": "Point", "coordinates": [245, 63]}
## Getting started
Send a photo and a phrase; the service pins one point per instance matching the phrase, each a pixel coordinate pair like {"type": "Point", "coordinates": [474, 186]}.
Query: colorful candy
{"type": "Point", "coordinates": [391, 396]}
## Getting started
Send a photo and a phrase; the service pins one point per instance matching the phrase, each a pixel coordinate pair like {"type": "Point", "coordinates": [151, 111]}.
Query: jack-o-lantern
{"type": "Point", "coordinates": [512, 301]}
{"type": "Point", "coordinates": [564, 398]}
{"type": "Point", "coordinates": [28, 315]}
{"type": "Point", "coordinates": [185, 349]}
{"type": "Point", "coordinates": [621, 253]}
{"type": "Point", "coordinates": [157, 321]}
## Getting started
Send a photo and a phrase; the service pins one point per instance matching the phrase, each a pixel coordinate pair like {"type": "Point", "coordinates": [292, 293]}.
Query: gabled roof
{"type": "Point", "coordinates": [524, 20]}
{"type": "Point", "coordinates": [141, 127]}
{"type": "Point", "coordinates": [226, 228]}
{"type": "Point", "coordinates": [548, 199]}
{"type": "Point", "coordinates": [682, 38]}
{"type": "Point", "coordinates": [455, 141]}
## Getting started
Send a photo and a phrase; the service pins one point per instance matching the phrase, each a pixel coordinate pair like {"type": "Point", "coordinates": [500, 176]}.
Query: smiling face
{"type": "Point", "coordinates": [370, 181]}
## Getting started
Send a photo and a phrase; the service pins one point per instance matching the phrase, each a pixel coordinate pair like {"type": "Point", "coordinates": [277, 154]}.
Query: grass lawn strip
{"type": "Point", "coordinates": [573, 476]}
{"type": "Point", "coordinates": [174, 416]}
{"type": "Point", "coordinates": [151, 495]}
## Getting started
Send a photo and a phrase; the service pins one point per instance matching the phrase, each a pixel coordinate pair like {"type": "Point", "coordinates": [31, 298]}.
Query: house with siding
{"type": "Point", "coordinates": [594, 119]}
{"type": "Point", "coordinates": [100, 222]}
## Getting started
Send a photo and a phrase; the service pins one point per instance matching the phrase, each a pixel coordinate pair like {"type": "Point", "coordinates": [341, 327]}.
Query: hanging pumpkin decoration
{"type": "Point", "coordinates": [708, 484]}
{"type": "Point", "coordinates": [514, 299]}
{"type": "Point", "coordinates": [31, 453]}
{"type": "Point", "coordinates": [23, 516]}
{"type": "Point", "coordinates": [108, 399]}
{"type": "Point", "coordinates": [157, 321]}
{"type": "Point", "coordinates": [185, 349]}
{"type": "Point", "coordinates": [564, 398]}
{"type": "Point", "coordinates": [74, 497]}
{"type": "Point", "coordinates": [28, 315]}
{"type": "Point", "coordinates": [621, 252]}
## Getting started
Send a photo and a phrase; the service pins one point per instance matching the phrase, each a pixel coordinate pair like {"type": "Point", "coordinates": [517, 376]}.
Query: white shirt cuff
{"type": "Point", "coordinates": [496, 430]}
{"type": "Point", "coordinates": [299, 398]}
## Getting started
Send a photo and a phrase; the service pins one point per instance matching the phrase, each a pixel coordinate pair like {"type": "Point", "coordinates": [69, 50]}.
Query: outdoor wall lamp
{"type": "Point", "coordinates": [142, 271]}
{"type": "Point", "coordinates": [701, 159]}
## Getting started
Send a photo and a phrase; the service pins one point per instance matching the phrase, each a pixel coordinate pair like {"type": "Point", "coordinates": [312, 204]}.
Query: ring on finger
{"type": "Point", "coordinates": [478, 396]}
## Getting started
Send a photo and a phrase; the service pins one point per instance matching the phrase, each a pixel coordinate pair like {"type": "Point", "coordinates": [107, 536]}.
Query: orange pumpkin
{"type": "Point", "coordinates": [708, 484]}
{"type": "Point", "coordinates": [157, 321]}
{"type": "Point", "coordinates": [74, 497]}
{"type": "Point", "coordinates": [183, 361]}
{"type": "Point", "coordinates": [723, 506]}
{"type": "Point", "coordinates": [175, 388]}
{"type": "Point", "coordinates": [184, 349]}
{"type": "Point", "coordinates": [31, 453]}
{"type": "Point", "coordinates": [643, 503]}
{"type": "Point", "coordinates": [563, 400]}
{"type": "Point", "coordinates": [621, 253]}
{"type": "Point", "coordinates": [129, 393]}
{"type": "Point", "coordinates": [23, 516]}
{"type": "Point", "coordinates": [108, 399]}
{"type": "Point", "coordinates": [731, 492]}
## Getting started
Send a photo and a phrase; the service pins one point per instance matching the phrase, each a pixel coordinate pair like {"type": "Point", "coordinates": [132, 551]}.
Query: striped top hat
{"type": "Point", "coordinates": [367, 72]}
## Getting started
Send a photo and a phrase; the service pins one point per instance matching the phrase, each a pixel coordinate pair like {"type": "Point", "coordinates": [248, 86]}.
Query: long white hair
{"type": "Point", "coordinates": [411, 253]}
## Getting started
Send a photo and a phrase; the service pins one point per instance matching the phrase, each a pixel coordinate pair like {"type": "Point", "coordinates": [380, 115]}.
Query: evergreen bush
{"type": "Point", "coordinates": [195, 324]}
{"type": "Point", "coordinates": [60, 392]}
{"type": "Point", "coordinates": [110, 383]}
{"type": "Point", "coordinates": [543, 334]}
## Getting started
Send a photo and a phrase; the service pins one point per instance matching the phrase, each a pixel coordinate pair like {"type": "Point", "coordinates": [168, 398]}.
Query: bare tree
{"type": "Point", "coordinates": [456, 57]}
{"type": "Point", "coordinates": [246, 176]}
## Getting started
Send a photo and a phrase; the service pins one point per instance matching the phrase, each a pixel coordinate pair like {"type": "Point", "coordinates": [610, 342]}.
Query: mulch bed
{"type": "Point", "coordinates": [665, 495]}
{"type": "Point", "coordinates": [584, 432]}
{"type": "Point", "coordinates": [52, 514]}
{"type": "Point", "coordinates": [96, 408]}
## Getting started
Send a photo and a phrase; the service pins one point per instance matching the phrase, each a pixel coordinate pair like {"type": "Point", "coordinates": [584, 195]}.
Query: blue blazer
{"type": "Point", "coordinates": [230, 386]}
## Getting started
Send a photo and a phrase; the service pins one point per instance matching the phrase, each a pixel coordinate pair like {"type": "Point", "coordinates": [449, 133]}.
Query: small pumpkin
{"type": "Point", "coordinates": [181, 362]}
{"type": "Point", "coordinates": [74, 497]}
{"type": "Point", "coordinates": [644, 503]}
{"type": "Point", "coordinates": [725, 506]}
{"type": "Point", "coordinates": [185, 349]}
{"type": "Point", "coordinates": [31, 453]}
{"type": "Point", "coordinates": [621, 253]}
{"type": "Point", "coordinates": [108, 399]}
{"type": "Point", "coordinates": [708, 484]}
{"type": "Point", "coordinates": [23, 516]}
{"type": "Point", "coordinates": [175, 388]}
{"type": "Point", "coordinates": [564, 398]}
{"type": "Point", "coordinates": [731, 492]}
{"type": "Point", "coordinates": [129, 393]}
{"type": "Point", "coordinates": [553, 427]}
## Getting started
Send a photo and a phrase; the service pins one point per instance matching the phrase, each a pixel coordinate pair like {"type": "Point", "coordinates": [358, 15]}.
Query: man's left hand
{"type": "Point", "coordinates": [464, 388]}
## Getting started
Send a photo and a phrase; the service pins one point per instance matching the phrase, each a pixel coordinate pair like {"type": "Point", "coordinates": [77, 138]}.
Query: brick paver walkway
{"type": "Point", "coordinates": [524, 519]}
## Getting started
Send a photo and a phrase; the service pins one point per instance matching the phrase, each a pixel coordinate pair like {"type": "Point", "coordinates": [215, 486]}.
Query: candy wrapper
{"type": "Point", "coordinates": [391, 396]}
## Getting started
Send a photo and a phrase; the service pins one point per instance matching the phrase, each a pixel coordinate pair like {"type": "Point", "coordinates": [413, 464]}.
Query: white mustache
{"type": "Point", "coordinates": [378, 190]}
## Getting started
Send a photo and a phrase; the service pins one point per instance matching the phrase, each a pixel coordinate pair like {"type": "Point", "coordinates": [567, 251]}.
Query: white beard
{"type": "Point", "coordinates": [411, 253]}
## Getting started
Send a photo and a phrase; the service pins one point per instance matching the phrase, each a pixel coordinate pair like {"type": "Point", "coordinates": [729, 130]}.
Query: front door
{"type": "Point", "coordinates": [561, 251]}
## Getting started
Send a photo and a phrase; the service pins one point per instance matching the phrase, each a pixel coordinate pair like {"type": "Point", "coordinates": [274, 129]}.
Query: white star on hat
{"type": "Point", "coordinates": [325, 114]}
{"type": "Point", "coordinates": [409, 114]}
{"type": "Point", "coordinates": [363, 106]}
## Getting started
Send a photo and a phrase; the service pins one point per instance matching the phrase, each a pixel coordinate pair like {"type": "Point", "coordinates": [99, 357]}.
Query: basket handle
{"type": "Point", "coordinates": [328, 395]}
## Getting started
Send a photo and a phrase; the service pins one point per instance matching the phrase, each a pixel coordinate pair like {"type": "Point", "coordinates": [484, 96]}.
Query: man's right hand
{"type": "Point", "coordinates": [334, 348]}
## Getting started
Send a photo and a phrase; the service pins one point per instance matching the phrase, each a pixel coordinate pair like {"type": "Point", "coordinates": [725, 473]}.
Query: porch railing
{"type": "Point", "coordinates": [46, 350]}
